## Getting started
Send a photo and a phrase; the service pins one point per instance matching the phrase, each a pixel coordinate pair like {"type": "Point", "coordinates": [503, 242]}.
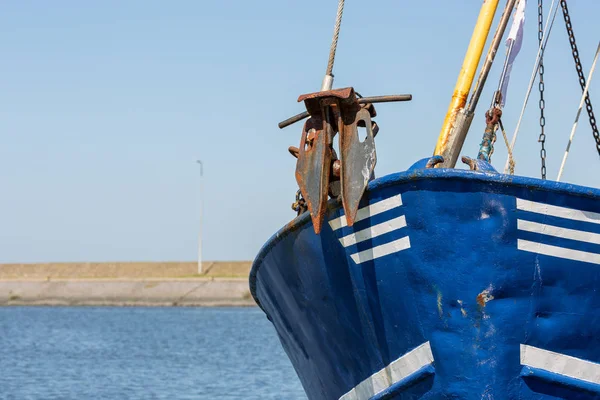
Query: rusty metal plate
{"type": "Point", "coordinates": [314, 102]}
{"type": "Point", "coordinates": [312, 168]}
{"type": "Point", "coordinates": [344, 93]}
{"type": "Point", "coordinates": [358, 159]}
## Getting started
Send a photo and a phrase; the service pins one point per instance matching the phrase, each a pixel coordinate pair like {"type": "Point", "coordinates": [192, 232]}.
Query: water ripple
{"type": "Point", "coordinates": [142, 353]}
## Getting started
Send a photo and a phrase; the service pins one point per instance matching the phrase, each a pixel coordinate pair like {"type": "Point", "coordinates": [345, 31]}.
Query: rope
{"type": "Point", "coordinates": [585, 91]}
{"type": "Point", "coordinates": [511, 161]}
{"type": "Point", "coordinates": [536, 66]}
{"type": "Point", "coordinates": [336, 34]}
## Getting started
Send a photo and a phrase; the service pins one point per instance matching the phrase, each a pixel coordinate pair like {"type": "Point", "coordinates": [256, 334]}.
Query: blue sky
{"type": "Point", "coordinates": [105, 107]}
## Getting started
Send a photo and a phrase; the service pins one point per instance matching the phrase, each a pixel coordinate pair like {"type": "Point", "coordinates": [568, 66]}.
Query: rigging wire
{"type": "Point", "coordinates": [583, 97]}
{"type": "Point", "coordinates": [328, 80]}
{"type": "Point", "coordinates": [546, 36]}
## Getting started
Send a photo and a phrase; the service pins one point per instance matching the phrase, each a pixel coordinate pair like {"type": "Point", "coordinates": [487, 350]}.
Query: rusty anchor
{"type": "Point", "coordinates": [318, 171]}
{"type": "Point", "coordinates": [316, 153]}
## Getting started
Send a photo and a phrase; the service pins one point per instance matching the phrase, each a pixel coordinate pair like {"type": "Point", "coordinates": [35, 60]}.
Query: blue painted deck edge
{"type": "Point", "coordinates": [562, 380]}
{"type": "Point", "coordinates": [405, 383]}
{"type": "Point", "coordinates": [417, 174]}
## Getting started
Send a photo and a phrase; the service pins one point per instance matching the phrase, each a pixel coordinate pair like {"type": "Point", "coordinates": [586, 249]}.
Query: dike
{"type": "Point", "coordinates": [222, 284]}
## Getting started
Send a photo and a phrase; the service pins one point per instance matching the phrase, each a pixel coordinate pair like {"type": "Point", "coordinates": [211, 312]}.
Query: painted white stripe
{"type": "Point", "coordinates": [555, 211]}
{"type": "Point", "coordinates": [560, 252]}
{"type": "Point", "coordinates": [374, 231]}
{"type": "Point", "coordinates": [557, 231]}
{"type": "Point", "coordinates": [381, 250]}
{"type": "Point", "coordinates": [561, 364]}
{"type": "Point", "coordinates": [400, 369]}
{"type": "Point", "coordinates": [368, 211]}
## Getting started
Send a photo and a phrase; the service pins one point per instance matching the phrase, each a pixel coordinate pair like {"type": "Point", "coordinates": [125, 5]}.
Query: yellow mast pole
{"type": "Point", "coordinates": [466, 75]}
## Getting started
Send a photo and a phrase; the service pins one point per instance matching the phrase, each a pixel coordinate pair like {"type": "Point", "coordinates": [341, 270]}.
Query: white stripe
{"type": "Point", "coordinates": [373, 231]}
{"type": "Point", "coordinates": [556, 211]}
{"type": "Point", "coordinates": [400, 369]}
{"type": "Point", "coordinates": [560, 252]}
{"type": "Point", "coordinates": [561, 364]}
{"type": "Point", "coordinates": [368, 211]}
{"type": "Point", "coordinates": [382, 250]}
{"type": "Point", "coordinates": [564, 233]}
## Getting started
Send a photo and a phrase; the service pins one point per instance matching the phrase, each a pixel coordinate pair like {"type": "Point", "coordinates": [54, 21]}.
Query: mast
{"type": "Point", "coordinates": [447, 145]}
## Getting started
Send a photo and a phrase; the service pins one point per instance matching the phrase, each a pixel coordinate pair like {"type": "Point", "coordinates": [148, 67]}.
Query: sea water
{"type": "Point", "coordinates": [142, 353]}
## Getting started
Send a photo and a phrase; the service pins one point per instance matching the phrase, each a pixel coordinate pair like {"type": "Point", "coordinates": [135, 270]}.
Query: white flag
{"type": "Point", "coordinates": [515, 36]}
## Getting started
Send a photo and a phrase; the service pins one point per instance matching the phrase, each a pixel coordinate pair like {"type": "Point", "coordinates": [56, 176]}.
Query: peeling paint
{"type": "Point", "coordinates": [485, 296]}
{"type": "Point", "coordinates": [462, 310]}
{"type": "Point", "coordinates": [537, 274]}
{"type": "Point", "coordinates": [439, 303]}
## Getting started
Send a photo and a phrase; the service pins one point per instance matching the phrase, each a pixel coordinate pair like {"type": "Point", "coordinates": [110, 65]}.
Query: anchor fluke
{"type": "Point", "coordinates": [358, 158]}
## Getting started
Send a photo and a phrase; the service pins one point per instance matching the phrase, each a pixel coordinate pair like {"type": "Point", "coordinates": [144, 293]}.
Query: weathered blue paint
{"type": "Point", "coordinates": [560, 386]}
{"type": "Point", "coordinates": [463, 285]}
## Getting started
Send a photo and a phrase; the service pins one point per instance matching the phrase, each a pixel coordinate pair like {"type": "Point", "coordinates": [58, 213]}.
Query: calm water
{"type": "Point", "coordinates": [142, 353]}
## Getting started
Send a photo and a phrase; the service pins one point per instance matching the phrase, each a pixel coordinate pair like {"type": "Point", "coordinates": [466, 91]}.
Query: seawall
{"type": "Point", "coordinates": [79, 270]}
{"type": "Point", "coordinates": [126, 284]}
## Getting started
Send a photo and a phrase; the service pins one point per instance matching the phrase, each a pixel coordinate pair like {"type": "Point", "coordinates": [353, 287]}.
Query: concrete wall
{"type": "Point", "coordinates": [126, 283]}
{"type": "Point", "coordinates": [100, 292]}
{"type": "Point", "coordinates": [124, 270]}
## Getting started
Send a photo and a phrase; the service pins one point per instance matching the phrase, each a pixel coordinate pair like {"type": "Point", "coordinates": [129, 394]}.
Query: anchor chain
{"type": "Point", "coordinates": [542, 137]}
{"type": "Point", "coordinates": [579, 68]}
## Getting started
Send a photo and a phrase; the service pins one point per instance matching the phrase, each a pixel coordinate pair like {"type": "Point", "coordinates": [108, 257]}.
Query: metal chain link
{"type": "Point", "coordinates": [579, 68]}
{"type": "Point", "coordinates": [542, 138]}
{"type": "Point", "coordinates": [300, 204]}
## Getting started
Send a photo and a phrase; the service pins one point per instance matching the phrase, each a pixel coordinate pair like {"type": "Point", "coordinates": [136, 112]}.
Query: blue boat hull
{"type": "Point", "coordinates": [451, 284]}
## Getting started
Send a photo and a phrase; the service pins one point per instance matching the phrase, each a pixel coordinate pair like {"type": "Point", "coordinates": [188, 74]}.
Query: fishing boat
{"type": "Point", "coordinates": [435, 282]}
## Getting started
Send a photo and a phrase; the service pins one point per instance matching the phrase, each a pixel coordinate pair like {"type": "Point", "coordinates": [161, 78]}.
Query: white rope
{"type": "Point", "coordinates": [587, 85]}
{"type": "Point", "coordinates": [536, 66]}
{"type": "Point", "coordinates": [511, 161]}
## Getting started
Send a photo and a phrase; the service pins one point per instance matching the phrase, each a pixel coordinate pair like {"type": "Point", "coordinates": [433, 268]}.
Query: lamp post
{"type": "Point", "coordinates": [200, 225]}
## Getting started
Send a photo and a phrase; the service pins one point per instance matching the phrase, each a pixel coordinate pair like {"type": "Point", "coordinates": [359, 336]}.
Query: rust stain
{"type": "Point", "coordinates": [459, 100]}
{"type": "Point", "coordinates": [484, 297]}
{"type": "Point", "coordinates": [480, 300]}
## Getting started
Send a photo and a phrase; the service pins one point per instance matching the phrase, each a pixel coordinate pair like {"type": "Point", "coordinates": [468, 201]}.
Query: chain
{"type": "Point", "coordinates": [300, 204]}
{"type": "Point", "coordinates": [579, 68]}
{"type": "Point", "coordinates": [486, 148]}
{"type": "Point", "coordinates": [542, 138]}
